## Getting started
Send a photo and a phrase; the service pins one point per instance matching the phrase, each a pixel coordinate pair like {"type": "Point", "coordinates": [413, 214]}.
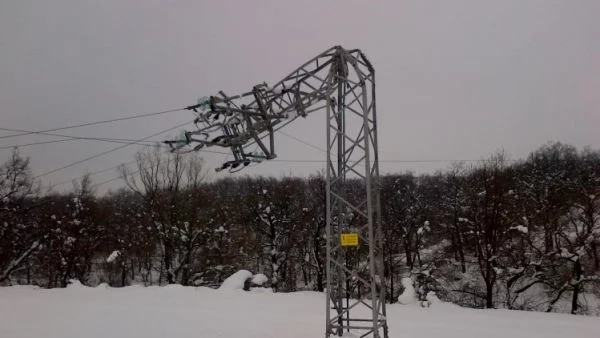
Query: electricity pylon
{"type": "Point", "coordinates": [342, 83]}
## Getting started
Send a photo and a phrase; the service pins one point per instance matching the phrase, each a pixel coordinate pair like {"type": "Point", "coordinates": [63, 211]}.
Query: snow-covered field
{"type": "Point", "coordinates": [178, 312]}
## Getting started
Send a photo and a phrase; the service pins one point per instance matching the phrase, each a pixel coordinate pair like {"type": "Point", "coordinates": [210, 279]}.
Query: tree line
{"type": "Point", "coordinates": [513, 234]}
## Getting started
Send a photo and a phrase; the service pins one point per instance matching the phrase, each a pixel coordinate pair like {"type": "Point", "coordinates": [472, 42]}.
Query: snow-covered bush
{"type": "Point", "coordinates": [240, 280]}
{"type": "Point", "coordinates": [409, 295]}
{"type": "Point", "coordinates": [260, 280]}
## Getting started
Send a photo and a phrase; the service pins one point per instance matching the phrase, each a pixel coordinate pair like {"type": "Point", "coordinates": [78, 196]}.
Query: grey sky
{"type": "Point", "coordinates": [456, 79]}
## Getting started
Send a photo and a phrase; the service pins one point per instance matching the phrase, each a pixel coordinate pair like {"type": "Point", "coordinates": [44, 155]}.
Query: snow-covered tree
{"type": "Point", "coordinates": [20, 235]}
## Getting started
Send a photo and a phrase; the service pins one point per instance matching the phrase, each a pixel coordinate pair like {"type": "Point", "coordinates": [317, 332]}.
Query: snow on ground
{"type": "Point", "coordinates": [182, 312]}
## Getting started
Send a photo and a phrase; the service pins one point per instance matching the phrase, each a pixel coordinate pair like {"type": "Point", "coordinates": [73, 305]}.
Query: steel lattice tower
{"type": "Point", "coordinates": [352, 152]}
{"type": "Point", "coordinates": [342, 83]}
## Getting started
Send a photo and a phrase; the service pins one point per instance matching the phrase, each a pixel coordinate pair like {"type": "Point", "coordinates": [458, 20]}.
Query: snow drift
{"type": "Point", "coordinates": [187, 312]}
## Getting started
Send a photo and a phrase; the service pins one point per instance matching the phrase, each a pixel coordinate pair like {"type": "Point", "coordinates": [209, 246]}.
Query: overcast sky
{"type": "Point", "coordinates": [456, 79]}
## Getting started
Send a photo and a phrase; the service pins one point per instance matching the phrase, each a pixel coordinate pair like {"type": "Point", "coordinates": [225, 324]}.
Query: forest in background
{"type": "Point", "coordinates": [499, 233]}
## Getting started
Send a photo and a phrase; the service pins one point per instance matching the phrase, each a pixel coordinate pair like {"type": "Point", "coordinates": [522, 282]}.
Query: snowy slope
{"type": "Point", "coordinates": [178, 312]}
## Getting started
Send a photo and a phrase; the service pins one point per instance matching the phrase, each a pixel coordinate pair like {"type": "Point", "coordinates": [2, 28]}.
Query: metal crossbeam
{"type": "Point", "coordinates": [342, 83]}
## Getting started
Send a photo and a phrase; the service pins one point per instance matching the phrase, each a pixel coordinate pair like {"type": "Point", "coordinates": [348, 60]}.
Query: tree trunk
{"type": "Point", "coordinates": [459, 244]}
{"type": "Point", "coordinates": [305, 277]}
{"type": "Point", "coordinates": [185, 267]}
{"type": "Point", "coordinates": [463, 265]}
{"type": "Point", "coordinates": [28, 273]}
{"type": "Point", "coordinates": [167, 262]}
{"type": "Point", "coordinates": [320, 283]}
{"type": "Point", "coordinates": [392, 283]}
{"type": "Point", "coordinates": [489, 295]}
{"type": "Point", "coordinates": [409, 259]}
{"type": "Point", "coordinates": [67, 275]}
{"type": "Point", "coordinates": [123, 274]}
{"type": "Point", "coordinates": [274, 270]}
{"type": "Point", "coordinates": [548, 238]}
{"type": "Point", "coordinates": [317, 244]}
{"type": "Point", "coordinates": [161, 272]}
{"type": "Point", "coordinates": [490, 279]}
{"type": "Point", "coordinates": [577, 272]}
{"type": "Point", "coordinates": [594, 247]}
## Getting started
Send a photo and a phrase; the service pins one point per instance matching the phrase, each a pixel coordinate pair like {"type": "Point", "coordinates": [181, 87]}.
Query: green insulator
{"type": "Point", "coordinates": [204, 103]}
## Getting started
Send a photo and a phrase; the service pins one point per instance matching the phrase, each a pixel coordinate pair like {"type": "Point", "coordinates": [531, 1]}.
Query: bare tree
{"type": "Point", "coordinates": [488, 222]}
{"type": "Point", "coordinates": [165, 183]}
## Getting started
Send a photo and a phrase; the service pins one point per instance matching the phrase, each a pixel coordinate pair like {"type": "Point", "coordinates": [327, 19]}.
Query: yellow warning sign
{"type": "Point", "coordinates": [349, 239]}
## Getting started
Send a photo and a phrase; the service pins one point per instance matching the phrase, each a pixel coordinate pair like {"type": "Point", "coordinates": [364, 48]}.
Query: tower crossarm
{"type": "Point", "coordinates": [239, 121]}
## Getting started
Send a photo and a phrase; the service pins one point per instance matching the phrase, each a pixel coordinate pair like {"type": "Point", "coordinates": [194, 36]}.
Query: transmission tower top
{"type": "Point", "coordinates": [239, 121]}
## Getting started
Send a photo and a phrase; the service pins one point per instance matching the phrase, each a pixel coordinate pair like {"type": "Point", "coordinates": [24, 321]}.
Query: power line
{"type": "Point", "coordinates": [33, 144]}
{"type": "Point", "coordinates": [130, 174]}
{"type": "Point", "coordinates": [90, 174]}
{"type": "Point", "coordinates": [109, 151]}
{"type": "Point", "coordinates": [115, 167]}
{"type": "Point", "coordinates": [385, 161]}
{"type": "Point", "coordinates": [381, 161]}
{"type": "Point", "coordinates": [131, 142]}
{"type": "Point", "coordinates": [302, 141]}
{"type": "Point", "coordinates": [113, 179]}
{"type": "Point", "coordinates": [69, 137]}
{"type": "Point", "coordinates": [95, 123]}
{"type": "Point", "coordinates": [119, 177]}
{"type": "Point", "coordinates": [274, 160]}
{"type": "Point", "coordinates": [108, 140]}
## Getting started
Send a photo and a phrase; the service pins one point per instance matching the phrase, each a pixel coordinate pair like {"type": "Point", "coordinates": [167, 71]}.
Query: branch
{"type": "Point", "coordinates": [14, 264]}
{"type": "Point", "coordinates": [524, 288]}
{"type": "Point", "coordinates": [587, 279]}
{"type": "Point", "coordinates": [558, 295]}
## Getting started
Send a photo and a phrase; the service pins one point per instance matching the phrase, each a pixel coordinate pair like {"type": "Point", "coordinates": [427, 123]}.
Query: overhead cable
{"type": "Point", "coordinates": [95, 123]}
{"type": "Point", "coordinates": [110, 150]}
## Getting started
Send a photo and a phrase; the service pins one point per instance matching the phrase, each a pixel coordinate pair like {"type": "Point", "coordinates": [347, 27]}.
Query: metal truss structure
{"type": "Point", "coordinates": [342, 83]}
